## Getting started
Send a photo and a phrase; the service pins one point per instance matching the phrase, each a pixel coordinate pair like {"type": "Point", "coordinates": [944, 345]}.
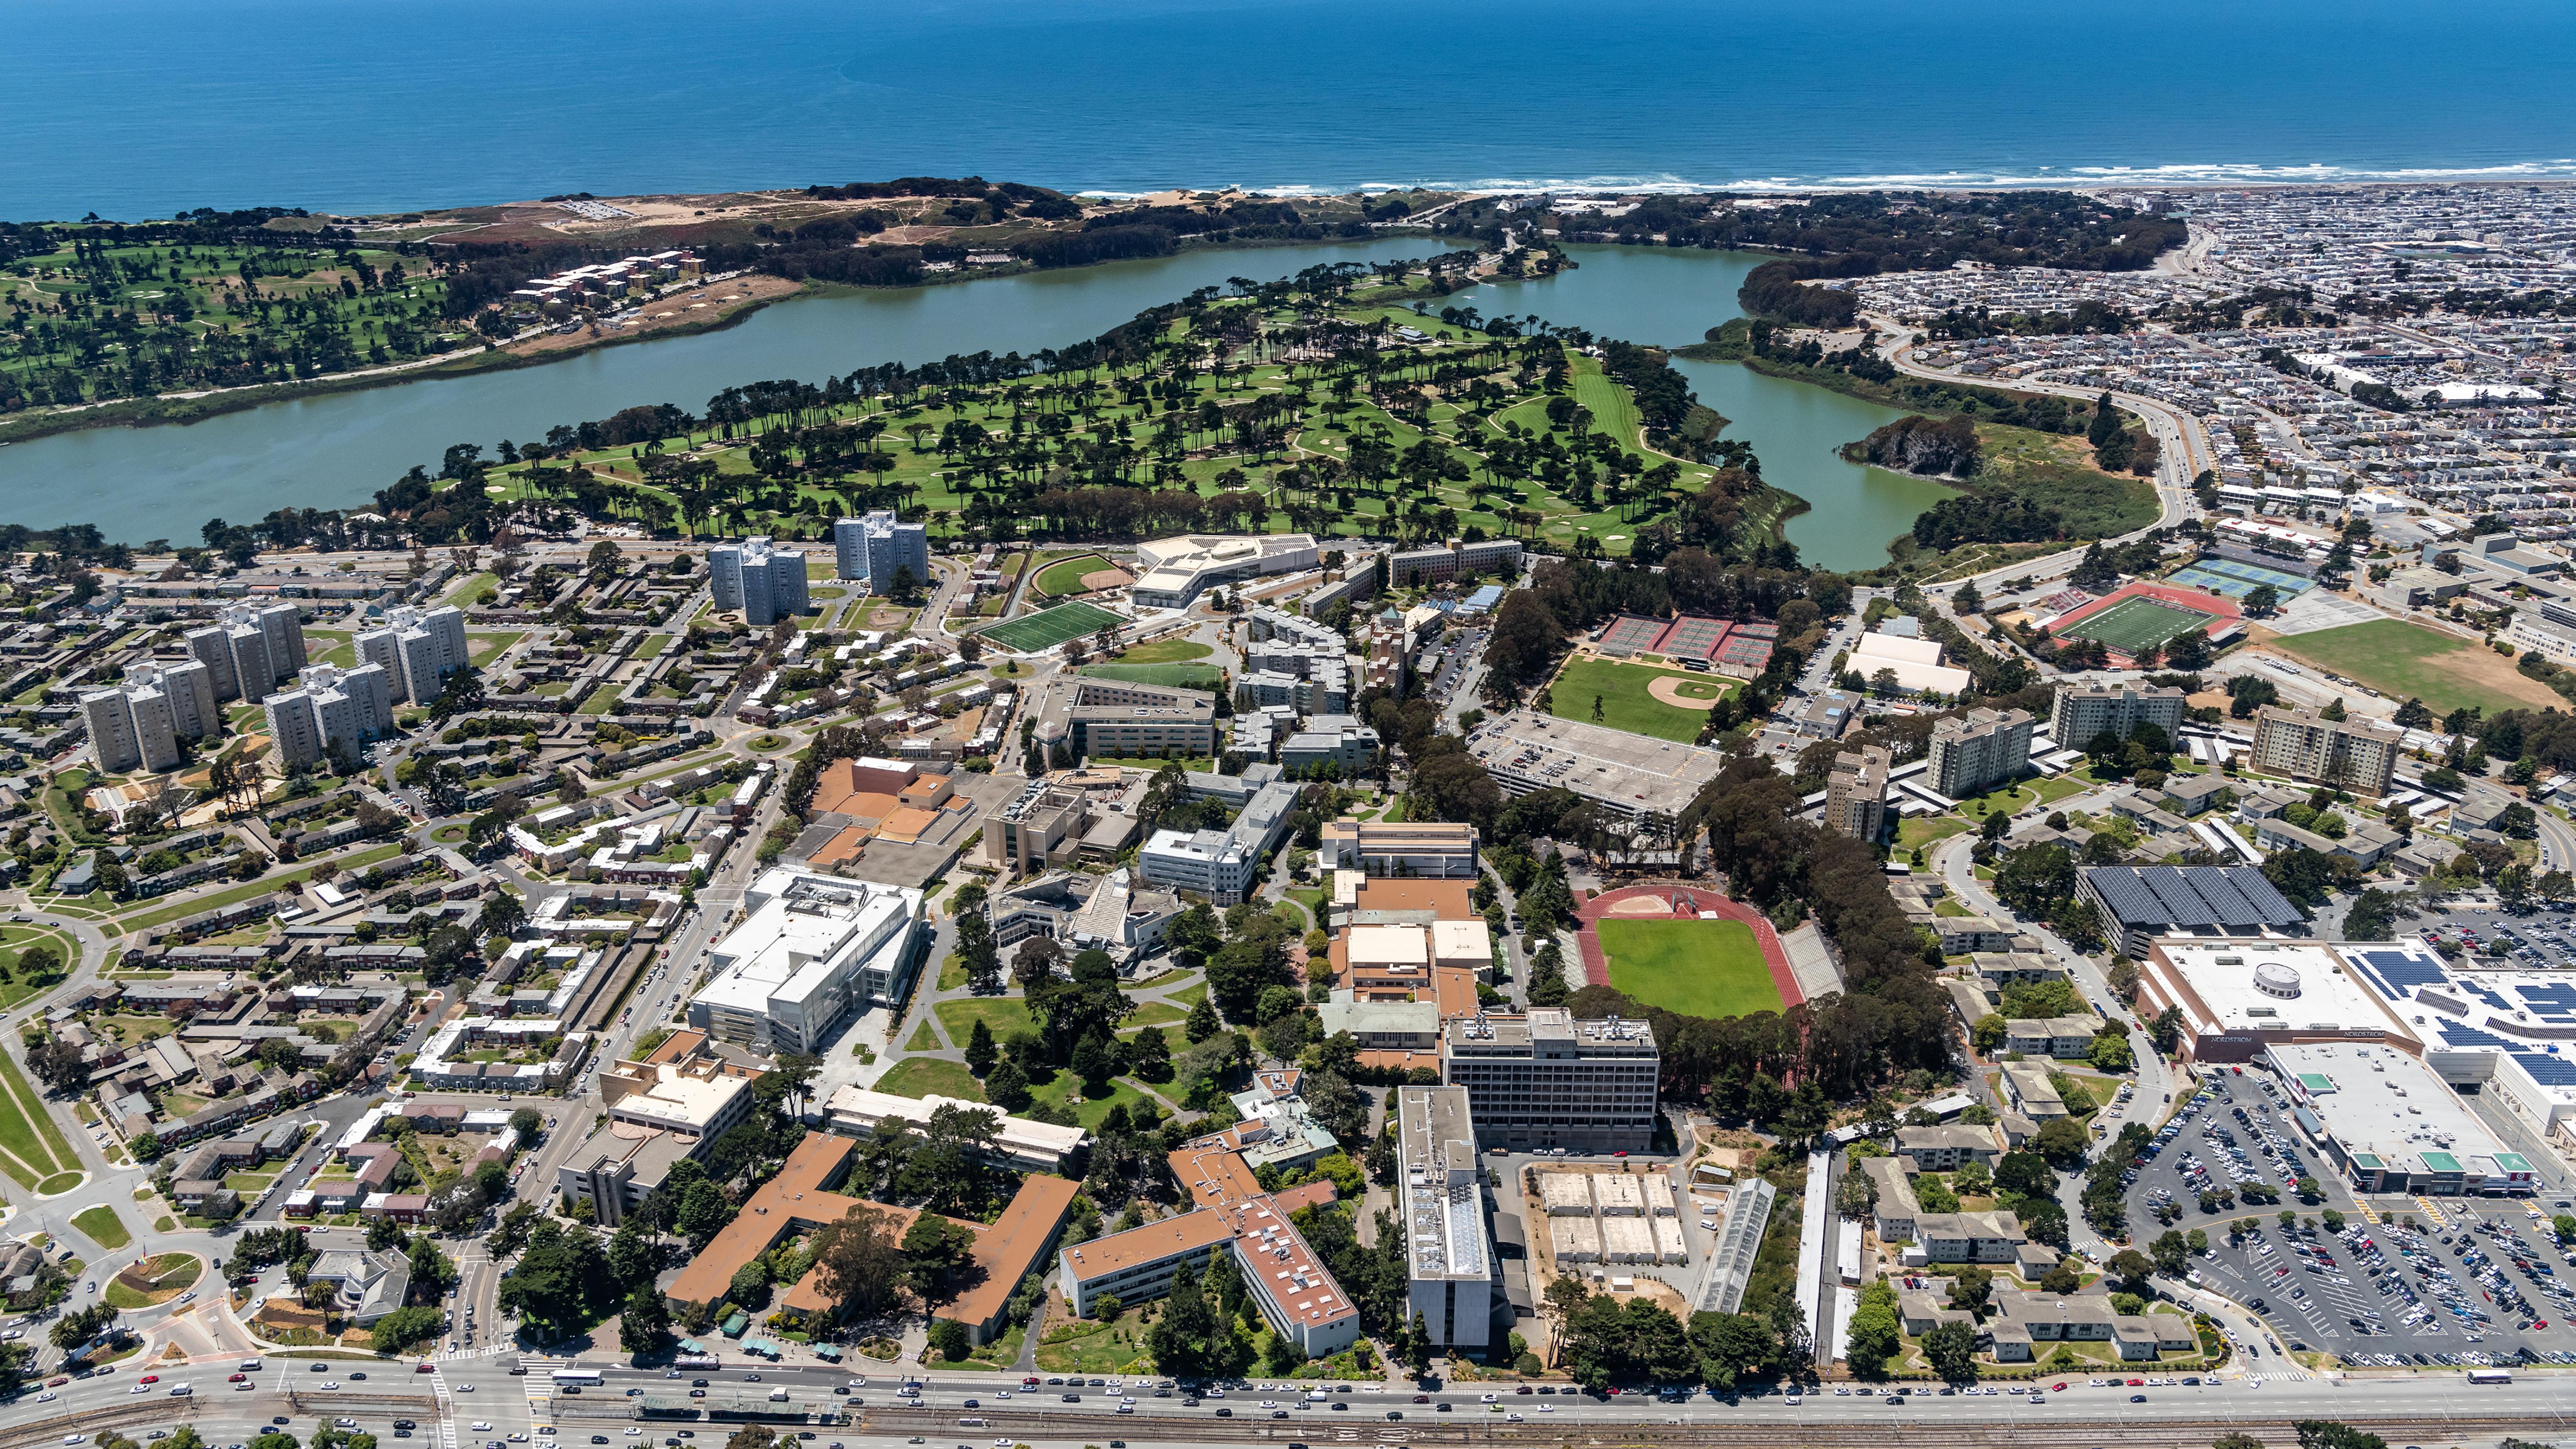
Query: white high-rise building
{"type": "Point", "coordinates": [417, 650]}
{"type": "Point", "coordinates": [265, 642]}
{"type": "Point", "coordinates": [154, 738]}
{"type": "Point", "coordinates": [212, 647]}
{"type": "Point", "coordinates": [140, 725]}
{"type": "Point", "coordinates": [335, 714]}
{"type": "Point", "coordinates": [111, 729]}
{"type": "Point", "coordinates": [762, 583]}
{"type": "Point", "coordinates": [873, 546]}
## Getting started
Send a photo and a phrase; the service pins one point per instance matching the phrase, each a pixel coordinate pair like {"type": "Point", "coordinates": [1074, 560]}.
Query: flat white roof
{"type": "Point", "coordinates": [1399, 946]}
{"type": "Point", "coordinates": [2380, 1100]}
{"type": "Point", "coordinates": [803, 932]}
{"type": "Point", "coordinates": [2277, 986]}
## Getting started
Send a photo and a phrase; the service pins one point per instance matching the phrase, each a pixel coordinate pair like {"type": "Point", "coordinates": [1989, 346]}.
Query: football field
{"type": "Point", "coordinates": [2132, 624]}
{"type": "Point", "coordinates": [1049, 627]}
{"type": "Point", "coordinates": [1698, 968]}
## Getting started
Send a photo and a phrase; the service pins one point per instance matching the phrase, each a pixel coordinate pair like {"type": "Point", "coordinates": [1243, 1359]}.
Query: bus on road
{"type": "Point", "coordinates": [2490, 1376]}
{"type": "Point", "coordinates": [577, 1377]}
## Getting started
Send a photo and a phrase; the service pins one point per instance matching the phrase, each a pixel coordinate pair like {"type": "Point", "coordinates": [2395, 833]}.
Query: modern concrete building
{"type": "Point", "coordinates": [1856, 792]}
{"type": "Point", "coordinates": [2350, 754]}
{"type": "Point", "coordinates": [1174, 571]}
{"type": "Point", "coordinates": [1443, 562]}
{"type": "Point", "coordinates": [1041, 826]}
{"type": "Point", "coordinates": [1019, 1143]}
{"type": "Point", "coordinates": [1422, 849]}
{"type": "Point", "coordinates": [2083, 711]}
{"type": "Point", "coordinates": [1451, 1271]}
{"type": "Point", "coordinates": [1219, 864]}
{"type": "Point", "coordinates": [2238, 998]}
{"type": "Point", "coordinates": [1978, 750]}
{"type": "Point", "coordinates": [140, 725]}
{"type": "Point", "coordinates": [2138, 904]}
{"type": "Point", "coordinates": [417, 650]}
{"type": "Point", "coordinates": [1116, 719]}
{"type": "Point", "coordinates": [762, 583]}
{"type": "Point", "coordinates": [810, 950]}
{"type": "Point", "coordinates": [1548, 1080]}
{"type": "Point", "coordinates": [1636, 777]}
{"type": "Point", "coordinates": [873, 546]}
{"type": "Point", "coordinates": [2390, 1124]}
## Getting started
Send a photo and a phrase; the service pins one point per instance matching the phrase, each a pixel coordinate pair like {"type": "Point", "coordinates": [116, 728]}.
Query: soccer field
{"type": "Point", "coordinates": [1049, 627]}
{"type": "Point", "coordinates": [1698, 968]}
{"type": "Point", "coordinates": [2134, 623]}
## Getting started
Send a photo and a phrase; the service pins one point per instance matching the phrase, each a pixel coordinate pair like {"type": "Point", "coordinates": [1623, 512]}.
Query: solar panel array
{"type": "Point", "coordinates": [2397, 973]}
{"type": "Point", "coordinates": [2547, 1070]}
{"type": "Point", "coordinates": [2459, 1035]}
{"type": "Point", "coordinates": [2551, 1001]}
{"type": "Point", "coordinates": [2229, 897]}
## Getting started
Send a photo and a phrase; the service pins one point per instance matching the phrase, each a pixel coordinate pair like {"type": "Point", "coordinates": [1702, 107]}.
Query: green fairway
{"type": "Point", "coordinates": [1049, 627]}
{"type": "Point", "coordinates": [1170, 676]}
{"type": "Point", "coordinates": [2405, 660]}
{"type": "Point", "coordinates": [1698, 968]}
{"type": "Point", "coordinates": [1065, 575]}
{"type": "Point", "coordinates": [2134, 623]}
{"type": "Point", "coordinates": [1627, 702]}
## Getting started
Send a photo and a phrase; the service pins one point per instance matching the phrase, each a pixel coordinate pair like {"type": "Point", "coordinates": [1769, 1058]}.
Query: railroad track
{"type": "Point", "coordinates": [1728, 1434]}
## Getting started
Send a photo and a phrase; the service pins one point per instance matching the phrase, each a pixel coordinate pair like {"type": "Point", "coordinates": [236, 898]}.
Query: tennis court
{"type": "Point", "coordinates": [1630, 634]}
{"type": "Point", "coordinates": [1693, 637]}
{"type": "Point", "coordinates": [2236, 578]}
{"type": "Point", "coordinates": [2133, 623]}
{"type": "Point", "coordinates": [1049, 627]}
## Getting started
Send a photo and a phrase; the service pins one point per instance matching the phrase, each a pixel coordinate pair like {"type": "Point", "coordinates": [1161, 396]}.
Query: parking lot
{"type": "Point", "coordinates": [2543, 939]}
{"type": "Point", "coordinates": [1445, 662]}
{"type": "Point", "coordinates": [2478, 1285]}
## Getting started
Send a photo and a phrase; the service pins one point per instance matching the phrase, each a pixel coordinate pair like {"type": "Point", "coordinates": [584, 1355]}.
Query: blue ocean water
{"type": "Point", "coordinates": [142, 107]}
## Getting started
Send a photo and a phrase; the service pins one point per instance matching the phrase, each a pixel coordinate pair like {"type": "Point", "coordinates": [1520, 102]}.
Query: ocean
{"type": "Point", "coordinates": [136, 108]}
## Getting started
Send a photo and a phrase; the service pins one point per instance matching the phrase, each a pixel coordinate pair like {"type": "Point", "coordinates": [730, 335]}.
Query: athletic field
{"type": "Point", "coordinates": [2133, 623]}
{"type": "Point", "coordinates": [1698, 968]}
{"type": "Point", "coordinates": [1049, 627]}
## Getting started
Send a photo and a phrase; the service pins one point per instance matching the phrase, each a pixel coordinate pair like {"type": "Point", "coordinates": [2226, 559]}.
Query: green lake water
{"type": "Point", "coordinates": [1673, 298]}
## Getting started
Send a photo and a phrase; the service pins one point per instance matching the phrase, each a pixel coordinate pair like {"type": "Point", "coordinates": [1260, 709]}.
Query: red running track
{"type": "Point", "coordinates": [1691, 898]}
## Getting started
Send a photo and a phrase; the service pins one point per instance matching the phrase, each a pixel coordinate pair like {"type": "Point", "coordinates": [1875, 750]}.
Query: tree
{"type": "Point", "coordinates": [980, 1051]}
{"type": "Point", "coordinates": [949, 1339]}
{"type": "Point", "coordinates": [1951, 1349]}
{"type": "Point", "coordinates": [404, 1327]}
{"type": "Point", "coordinates": [1007, 1087]}
{"type": "Point", "coordinates": [2060, 1140]}
{"type": "Point", "coordinates": [2328, 1434]}
{"type": "Point", "coordinates": [1202, 1022]}
{"type": "Point", "coordinates": [2133, 1269]}
{"type": "Point", "coordinates": [858, 1261]}
{"type": "Point", "coordinates": [2262, 599]}
{"type": "Point", "coordinates": [977, 953]}
{"type": "Point", "coordinates": [1874, 1334]}
{"type": "Point", "coordinates": [1857, 1197]}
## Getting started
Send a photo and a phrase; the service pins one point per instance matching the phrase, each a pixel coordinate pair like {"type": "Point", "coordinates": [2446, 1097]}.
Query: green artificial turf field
{"type": "Point", "coordinates": [2136, 622]}
{"type": "Point", "coordinates": [1697, 968]}
{"type": "Point", "coordinates": [1627, 702]}
{"type": "Point", "coordinates": [1049, 627]}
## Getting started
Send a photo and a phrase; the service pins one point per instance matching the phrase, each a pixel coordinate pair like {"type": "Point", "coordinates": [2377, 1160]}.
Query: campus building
{"type": "Point", "coordinates": [1856, 792]}
{"type": "Point", "coordinates": [2349, 754]}
{"type": "Point", "coordinates": [1450, 1265]}
{"type": "Point", "coordinates": [2238, 998]}
{"type": "Point", "coordinates": [1547, 1080]}
{"type": "Point", "coordinates": [2083, 711]}
{"type": "Point", "coordinates": [1974, 752]}
{"type": "Point", "coordinates": [2138, 904]}
{"type": "Point", "coordinates": [1220, 864]}
{"type": "Point", "coordinates": [1424, 848]}
{"type": "Point", "coordinates": [1173, 571]}
{"type": "Point", "coordinates": [873, 546]}
{"type": "Point", "coordinates": [1638, 778]}
{"type": "Point", "coordinates": [1443, 562]}
{"type": "Point", "coordinates": [417, 650]}
{"type": "Point", "coordinates": [810, 949]}
{"type": "Point", "coordinates": [762, 583]}
{"type": "Point", "coordinates": [1119, 720]}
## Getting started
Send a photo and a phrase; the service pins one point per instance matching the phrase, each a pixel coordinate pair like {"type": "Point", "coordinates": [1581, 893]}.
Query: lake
{"type": "Point", "coordinates": [1673, 297]}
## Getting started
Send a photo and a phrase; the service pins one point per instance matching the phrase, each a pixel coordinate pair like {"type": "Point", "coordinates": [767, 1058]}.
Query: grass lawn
{"type": "Point", "coordinates": [952, 972]}
{"type": "Point", "coordinates": [2054, 788]}
{"type": "Point", "coordinates": [1001, 1015]}
{"type": "Point", "coordinates": [103, 1227]}
{"type": "Point", "coordinates": [1154, 1013]}
{"type": "Point", "coordinates": [331, 646]}
{"type": "Point", "coordinates": [1175, 650]}
{"type": "Point", "coordinates": [1916, 831]}
{"type": "Point", "coordinates": [1698, 968]}
{"type": "Point", "coordinates": [1065, 576]}
{"type": "Point", "coordinates": [1092, 1347]}
{"type": "Point", "coordinates": [1603, 691]}
{"type": "Point", "coordinates": [924, 1039]}
{"type": "Point", "coordinates": [36, 1154]}
{"type": "Point", "coordinates": [1167, 676]}
{"type": "Point", "coordinates": [2405, 660]}
{"type": "Point", "coordinates": [1067, 1089]}
{"type": "Point", "coordinates": [653, 646]}
{"type": "Point", "coordinates": [929, 1076]}
{"type": "Point", "coordinates": [1191, 995]}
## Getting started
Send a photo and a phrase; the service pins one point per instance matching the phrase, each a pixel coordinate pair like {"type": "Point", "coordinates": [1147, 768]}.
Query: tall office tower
{"type": "Point", "coordinates": [212, 648]}
{"type": "Point", "coordinates": [111, 729]}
